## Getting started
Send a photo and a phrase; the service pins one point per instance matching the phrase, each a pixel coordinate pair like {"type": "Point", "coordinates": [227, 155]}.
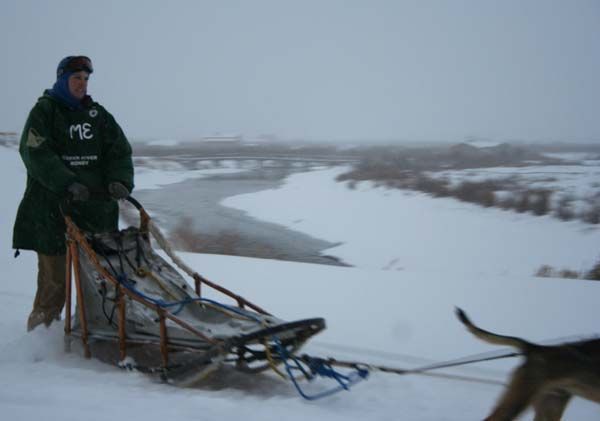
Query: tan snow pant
{"type": "Point", "coordinates": [50, 296]}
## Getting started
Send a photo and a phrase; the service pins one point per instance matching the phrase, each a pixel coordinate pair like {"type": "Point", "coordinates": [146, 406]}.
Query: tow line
{"type": "Point", "coordinates": [312, 367]}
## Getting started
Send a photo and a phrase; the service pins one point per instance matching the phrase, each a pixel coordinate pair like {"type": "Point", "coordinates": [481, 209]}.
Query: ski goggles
{"type": "Point", "coordinates": [75, 64]}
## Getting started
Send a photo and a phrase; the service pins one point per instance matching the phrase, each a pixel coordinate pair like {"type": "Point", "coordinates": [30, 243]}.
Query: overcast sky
{"type": "Point", "coordinates": [317, 69]}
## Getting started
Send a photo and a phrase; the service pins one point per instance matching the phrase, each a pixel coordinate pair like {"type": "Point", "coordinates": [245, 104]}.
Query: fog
{"type": "Point", "coordinates": [317, 70]}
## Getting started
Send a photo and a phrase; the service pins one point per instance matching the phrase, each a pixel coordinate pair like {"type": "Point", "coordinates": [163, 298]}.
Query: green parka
{"type": "Point", "coordinates": [60, 146]}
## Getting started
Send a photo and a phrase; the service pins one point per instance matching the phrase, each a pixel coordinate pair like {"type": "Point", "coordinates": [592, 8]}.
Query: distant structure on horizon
{"type": "Point", "coordinates": [223, 139]}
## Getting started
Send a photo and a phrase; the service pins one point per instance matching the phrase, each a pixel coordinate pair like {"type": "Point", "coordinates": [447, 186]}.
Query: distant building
{"type": "Point", "coordinates": [223, 139]}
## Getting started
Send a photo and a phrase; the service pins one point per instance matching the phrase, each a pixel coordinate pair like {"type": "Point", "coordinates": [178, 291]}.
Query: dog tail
{"type": "Point", "coordinates": [493, 338]}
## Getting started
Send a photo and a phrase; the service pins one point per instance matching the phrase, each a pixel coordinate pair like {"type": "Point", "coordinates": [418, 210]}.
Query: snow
{"type": "Point", "coordinates": [396, 230]}
{"type": "Point", "coordinates": [156, 174]}
{"type": "Point", "coordinates": [482, 143]}
{"type": "Point", "coordinates": [414, 259]}
{"type": "Point", "coordinates": [572, 157]}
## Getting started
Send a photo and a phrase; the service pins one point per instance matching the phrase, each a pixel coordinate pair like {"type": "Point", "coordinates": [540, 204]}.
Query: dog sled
{"type": "Point", "coordinates": [135, 310]}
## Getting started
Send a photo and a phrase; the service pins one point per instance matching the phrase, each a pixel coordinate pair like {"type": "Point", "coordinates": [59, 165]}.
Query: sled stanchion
{"type": "Point", "coordinates": [198, 286]}
{"type": "Point", "coordinates": [122, 337]}
{"type": "Point", "coordinates": [80, 303]}
{"type": "Point", "coordinates": [68, 272]}
{"type": "Point", "coordinates": [144, 217]}
{"type": "Point", "coordinates": [240, 300]}
{"type": "Point", "coordinates": [144, 222]}
{"type": "Point", "coordinates": [163, 338]}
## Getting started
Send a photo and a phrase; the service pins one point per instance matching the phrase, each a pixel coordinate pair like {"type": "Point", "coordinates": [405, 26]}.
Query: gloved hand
{"type": "Point", "coordinates": [78, 192]}
{"type": "Point", "coordinates": [117, 190]}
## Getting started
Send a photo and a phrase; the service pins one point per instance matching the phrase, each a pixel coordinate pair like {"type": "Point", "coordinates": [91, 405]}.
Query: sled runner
{"type": "Point", "coordinates": [134, 309]}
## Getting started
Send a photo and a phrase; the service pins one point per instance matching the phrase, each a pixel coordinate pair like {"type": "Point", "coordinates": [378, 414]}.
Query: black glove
{"type": "Point", "coordinates": [117, 190]}
{"type": "Point", "coordinates": [78, 192]}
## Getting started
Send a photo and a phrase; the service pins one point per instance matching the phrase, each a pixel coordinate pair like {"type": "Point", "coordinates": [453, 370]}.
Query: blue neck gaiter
{"type": "Point", "coordinates": [60, 91]}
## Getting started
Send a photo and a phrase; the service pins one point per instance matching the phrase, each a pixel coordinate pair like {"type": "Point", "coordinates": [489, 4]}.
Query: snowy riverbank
{"type": "Point", "coordinates": [390, 229]}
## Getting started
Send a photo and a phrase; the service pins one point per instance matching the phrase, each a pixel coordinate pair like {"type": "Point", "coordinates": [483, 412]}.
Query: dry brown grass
{"type": "Point", "coordinates": [594, 273]}
{"type": "Point", "coordinates": [547, 271]}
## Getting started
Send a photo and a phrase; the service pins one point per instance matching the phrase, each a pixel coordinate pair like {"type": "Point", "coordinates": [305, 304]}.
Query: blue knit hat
{"type": "Point", "coordinates": [65, 69]}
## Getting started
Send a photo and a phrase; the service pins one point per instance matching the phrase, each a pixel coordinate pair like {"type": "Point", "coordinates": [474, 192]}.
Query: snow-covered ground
{"type": "Point", "coordinates": [415, 259]}
{"type": "Point", "coordinates": [388, 229]}
{"type": "Point", "coordinates": [156, 173]}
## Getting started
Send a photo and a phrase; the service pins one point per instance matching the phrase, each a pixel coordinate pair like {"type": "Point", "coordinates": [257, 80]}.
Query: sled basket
{"type": "Point", "coordinates": [135, 309]}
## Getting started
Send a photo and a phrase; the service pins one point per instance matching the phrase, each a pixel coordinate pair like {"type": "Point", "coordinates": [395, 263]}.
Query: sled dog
{"type": "Point", "coordinates": [548, 377]}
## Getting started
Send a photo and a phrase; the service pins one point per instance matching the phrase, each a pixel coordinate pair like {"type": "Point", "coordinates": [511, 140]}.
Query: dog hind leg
{"type": "Point", "coordinates": [551, 405]}
{"type": "Point", "coordinates": [519, 393]}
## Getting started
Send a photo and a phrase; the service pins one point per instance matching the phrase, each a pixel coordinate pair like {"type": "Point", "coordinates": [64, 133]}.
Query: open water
{"type": "Point", "coordinates": [195, 205]}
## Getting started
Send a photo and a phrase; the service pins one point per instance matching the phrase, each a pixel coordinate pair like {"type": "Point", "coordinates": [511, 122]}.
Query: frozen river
{"type": "Point", "coordinates": [196, 202]}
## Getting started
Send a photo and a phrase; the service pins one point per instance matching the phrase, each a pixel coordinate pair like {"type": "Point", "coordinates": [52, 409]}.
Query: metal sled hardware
{"type": "Point", "coordinates": [133, 308]}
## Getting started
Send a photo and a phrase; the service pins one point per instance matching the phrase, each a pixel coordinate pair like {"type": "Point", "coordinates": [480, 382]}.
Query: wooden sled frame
{"type": "Point", "coordinates": [76, 241]}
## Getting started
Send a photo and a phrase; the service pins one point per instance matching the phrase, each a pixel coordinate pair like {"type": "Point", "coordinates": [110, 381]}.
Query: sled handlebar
{"type": "Point", "coordinates": [65, 204]}
{"type": "Point", "coordinates": [135, 203]}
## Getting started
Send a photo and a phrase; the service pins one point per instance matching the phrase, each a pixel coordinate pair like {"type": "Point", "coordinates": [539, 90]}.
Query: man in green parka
{"type": "Point", "coordinates": [74, 151]}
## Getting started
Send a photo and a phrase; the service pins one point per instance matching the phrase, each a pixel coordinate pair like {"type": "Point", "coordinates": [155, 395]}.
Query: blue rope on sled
{"type": "Point", "coordinates": [123, 280]}
{"type": "Point", "coordinates": [320, 367]}
{"type": "Point", "coordinates": [316, 366]}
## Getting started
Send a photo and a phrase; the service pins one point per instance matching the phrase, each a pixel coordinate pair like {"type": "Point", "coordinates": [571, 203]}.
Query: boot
{"type": "Point", "coordinates": [36, 318]}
